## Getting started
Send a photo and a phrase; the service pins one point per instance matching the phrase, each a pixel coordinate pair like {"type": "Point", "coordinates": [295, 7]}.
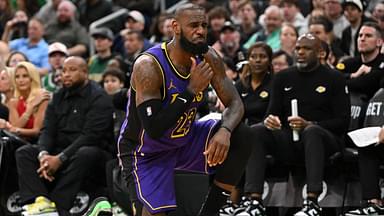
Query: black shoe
{"type": "Point", "coordinates": [370, 209]}
{"type": "Point", "coordinates": [309, 209]}
{"type": "Point", "coordinates": [250, 207]}
{"type": "Point", "coordinates": [227, 209]}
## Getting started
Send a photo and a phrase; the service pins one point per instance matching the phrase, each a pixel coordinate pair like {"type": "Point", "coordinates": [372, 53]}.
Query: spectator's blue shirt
{"type": "Point", "coordinates": [37, 54]}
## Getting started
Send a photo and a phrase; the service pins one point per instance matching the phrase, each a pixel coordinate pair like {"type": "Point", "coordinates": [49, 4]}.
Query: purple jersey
{"type": "Point", "coordinates": [152, 161]}
{"type": "Point", "coordinates": [174, 83]}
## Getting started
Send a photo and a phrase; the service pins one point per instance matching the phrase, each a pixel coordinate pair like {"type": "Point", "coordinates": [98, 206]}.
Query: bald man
{"type": "Point", "coordinates": [78, 129]}
{"type": "Point", "coordinates": [322, 120]}
{"type": "Point", "coordinates": [66, 29]}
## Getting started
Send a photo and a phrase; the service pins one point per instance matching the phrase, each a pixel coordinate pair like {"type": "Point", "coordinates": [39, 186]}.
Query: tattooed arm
{"type": "Point", "coordinates": [148, 83]}
{"type": "Point", "coordinates": [233, 113]}
{"type": "Point", "coordinates": [226, 91]}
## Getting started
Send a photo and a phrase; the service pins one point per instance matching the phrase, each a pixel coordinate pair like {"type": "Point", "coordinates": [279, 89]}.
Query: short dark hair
{"type": "Point", "coordinates": [8, 61]}
{"type": "Point", "coordinates": [325, 48]}
{"type": "Point", "coordinates": [114, 72]}
{"type": "Point", "coordinates": [376, 26]}
{"type": "Point", "coordinates": [138, 34]}
{"type": "Point", "coordinates": [322, 20]}
{"type": "Point", "coordinates": [292, 2]}
{"type": "Point", "coordinates": [283, 53]}
{"type": "Point", "coordinates": [218, 12]}
{"type": "Point", "coordinates": [266, 48]}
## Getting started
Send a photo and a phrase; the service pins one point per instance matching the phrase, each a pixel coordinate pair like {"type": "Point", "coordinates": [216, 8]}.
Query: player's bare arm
{"type": "Point", "coordinates": [219, 144]}
{"type": "Point", "coordinates": [146, 79]}
{"type": "Point", "coordinates": [226, 91]}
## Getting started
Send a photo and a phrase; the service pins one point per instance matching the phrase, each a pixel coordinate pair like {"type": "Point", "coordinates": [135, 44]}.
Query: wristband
{"type": "Point", "coordinates": [226, 128]}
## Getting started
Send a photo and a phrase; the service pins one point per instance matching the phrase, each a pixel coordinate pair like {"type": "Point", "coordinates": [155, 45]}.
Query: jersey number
{"type": "Point", "coordinates": [184, 124]}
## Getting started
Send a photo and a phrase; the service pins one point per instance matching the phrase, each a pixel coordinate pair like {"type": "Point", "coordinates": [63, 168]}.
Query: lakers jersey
{"type": "Point", "coordinates": [174, 83]}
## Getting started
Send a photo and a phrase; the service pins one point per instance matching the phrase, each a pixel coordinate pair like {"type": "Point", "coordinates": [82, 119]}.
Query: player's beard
{"type": "Point", "coordinates": [195, 49]}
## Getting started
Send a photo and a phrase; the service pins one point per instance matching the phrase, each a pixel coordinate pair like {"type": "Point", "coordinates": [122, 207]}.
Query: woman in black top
{"type": "Point", "coordinates": [254, 83]}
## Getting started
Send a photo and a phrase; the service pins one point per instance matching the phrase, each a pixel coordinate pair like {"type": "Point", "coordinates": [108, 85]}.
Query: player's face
{"type": "Point", "coordinates": [306, 52]}
{"type": "Point", "coordinates": [193, 32]}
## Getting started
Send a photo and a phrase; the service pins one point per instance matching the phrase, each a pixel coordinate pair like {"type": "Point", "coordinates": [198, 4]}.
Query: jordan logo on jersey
{"type": "Point", "coordinates": [172, 86]}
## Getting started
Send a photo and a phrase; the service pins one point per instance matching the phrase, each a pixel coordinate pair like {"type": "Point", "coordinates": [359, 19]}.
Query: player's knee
{"type": "Point", "coordinates": [241, 139]}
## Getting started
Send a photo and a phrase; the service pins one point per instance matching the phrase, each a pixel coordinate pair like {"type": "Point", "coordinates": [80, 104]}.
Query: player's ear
{"type": "Point", "coordinates": [176, 27]}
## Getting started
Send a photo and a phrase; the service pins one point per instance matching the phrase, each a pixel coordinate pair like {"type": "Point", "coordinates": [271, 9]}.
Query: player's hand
{"type": "Point", "coordinates": [201, 75]}
{"type": "Point", "coordinates": [218, 147]}
{"type": "Point", "coordinates": [272, 122]}
{"type": "Point", "coordinates": [297, 122]}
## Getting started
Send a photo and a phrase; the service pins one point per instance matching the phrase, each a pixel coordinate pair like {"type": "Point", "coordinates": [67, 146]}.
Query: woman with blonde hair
{"type": "Point", "coordinates": [6, 86]}
{"type": "Point", "coordinates": [27, 108]}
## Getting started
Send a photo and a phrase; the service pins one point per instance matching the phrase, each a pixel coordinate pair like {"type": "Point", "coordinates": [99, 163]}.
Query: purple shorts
{"type": "Point", "coordinates": [154, 172]}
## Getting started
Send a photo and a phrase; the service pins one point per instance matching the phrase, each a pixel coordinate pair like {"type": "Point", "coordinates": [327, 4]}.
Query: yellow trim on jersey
{"type": "Point", "coordinates": [138, 181]}
{"type": "Point", "coordinates": [206, 145]}
{"type": "Point", "coordinates": [162, 73]}
{"type": "Point", "coordinates": [164, 47]}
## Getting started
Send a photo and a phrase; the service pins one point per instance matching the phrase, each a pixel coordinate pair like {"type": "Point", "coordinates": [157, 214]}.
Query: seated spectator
{"type": "Point", "coordinates": [378, 10]}
{"type": "Point", "coordinates": [66, 29]}
{"type": "Point", "coordinates": [254, 84]}
{"type": "Point", "coordinates": [14, 58]}
{"type": "Point", "coordinates": [33, 46]}
{"type": "Point", "coordinates": [57, 52]}
{"type": "Point", "coordinates": [134, 45]}
{"type": "Point", "coordinates": [333, 10]}
{"type": "Point", "coordinates": [167, 29]}
{"type": "Point", "coordinates": [248, 25]}
{"type": "Point", "coordinates": [288, 37]}
{"type": "Point", "coordinates": [364, 72]}
{"type": "Point", "coordinates": [228, 44]}
{"type": "Point", "coordinates": [293, 16]}
{"type": "Point", "coordinates": [16, 27]}
{"type": "Point", "coordinates": [280, 61]}
{"type": "Point", "coordinates": [135, 21]}
{"type": "Point", "coordinates": [27, 109]}
{"type": "Point", "coordinates": [322, 27]}
{"type": "Point", "coordinates": [354, 12]}
{"type": "Point", "coordinates": [77, 129]}
{"type": "Point", "coordinates": [216, 19]}
{"type": "Point", "coordinates": [7, 91]}
{"type": "Point", "coordinates": [113, 82]}
{"type": "Point", "coordinates": [6, 14]}
{"type": "Point", "coordinates": [48, 10]}
{"type": "Point", "coordinates": [271, 32]}
{"type": "Point", "coordinates": [29, 6]}
{"type": "Point", "coordinates": [7, 88]}
{"type": "Point", "coordinates": [323, 116]}
{"type": "Point", "coordinates": [103, 38]}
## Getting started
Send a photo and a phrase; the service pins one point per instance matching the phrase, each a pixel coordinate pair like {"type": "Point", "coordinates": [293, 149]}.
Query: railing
{"type": "Point", "coordinates": [99, 22]}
